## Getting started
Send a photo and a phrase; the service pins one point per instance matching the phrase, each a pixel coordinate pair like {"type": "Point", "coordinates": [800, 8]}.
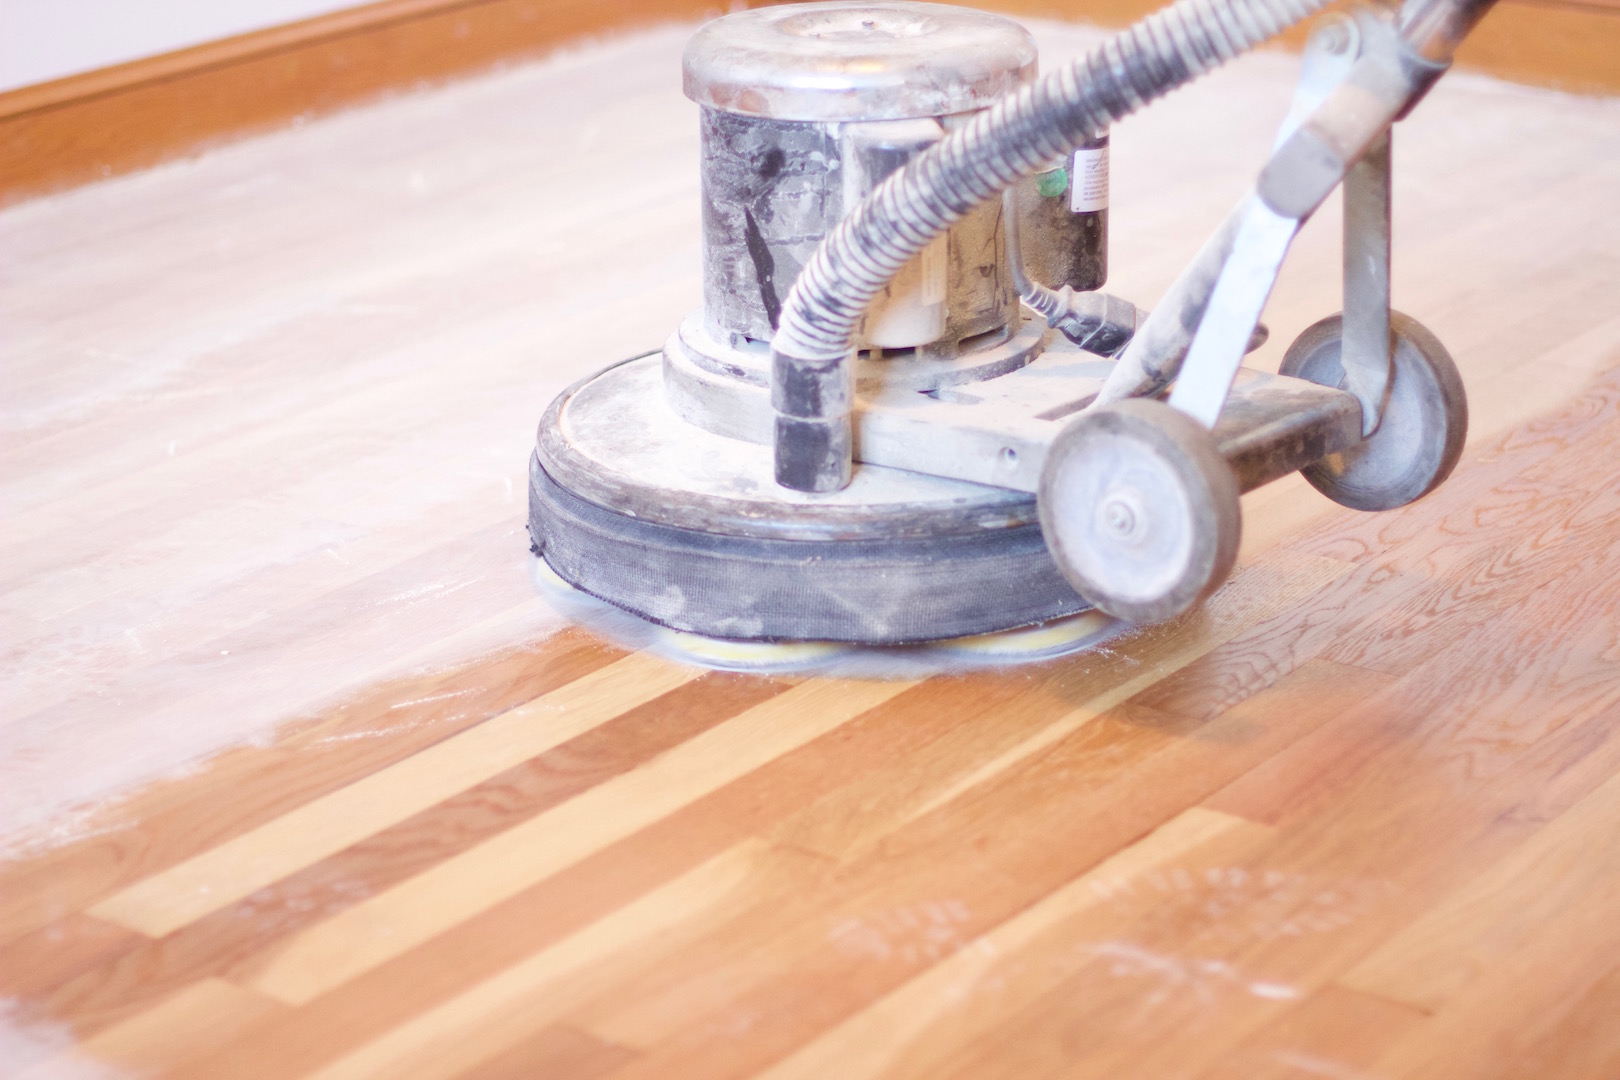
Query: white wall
{"type": "Point", "coordinates": [47, 39]}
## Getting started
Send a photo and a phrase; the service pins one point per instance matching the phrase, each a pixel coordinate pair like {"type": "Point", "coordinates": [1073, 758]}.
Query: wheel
{"type": "Point", "coordinates": [1425, 421]}
{"type": "Point", "coordinates": [1139, 510]}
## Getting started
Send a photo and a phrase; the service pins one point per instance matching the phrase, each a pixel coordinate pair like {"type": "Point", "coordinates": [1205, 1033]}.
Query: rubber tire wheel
{"type": "Point", "coordinates": [1139, 510]}
{"type": "Point", "coordinates": [1425, 423]}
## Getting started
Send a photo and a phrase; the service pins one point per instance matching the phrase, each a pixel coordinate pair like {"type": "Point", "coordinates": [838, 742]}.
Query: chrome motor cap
{"type": "Point", "coordinates": [856, 61]}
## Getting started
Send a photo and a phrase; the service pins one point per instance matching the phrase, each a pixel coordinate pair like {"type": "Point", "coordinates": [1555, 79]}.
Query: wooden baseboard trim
{"type": "Point", "coordinates": [199, 59]}
{"type": "Point", "coordinates": [1569, 45]}
{"type": "Point", "coordinates": [102, 123]}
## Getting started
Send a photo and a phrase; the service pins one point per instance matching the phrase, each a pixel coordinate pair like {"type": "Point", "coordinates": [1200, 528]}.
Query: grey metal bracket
{"type": "Point", "coordinates": [1235, 306]}
{"type": "Point", "coordinates": [1359, 76]}
{"type": "Point", "coordinates": [1157, 354]}
{"type": "Point", "coordinates": [1344, 140]}
{"type": "Point", "coordinates": [1365, 351]}
{"type": "Point", "coordinates": [999, 430]}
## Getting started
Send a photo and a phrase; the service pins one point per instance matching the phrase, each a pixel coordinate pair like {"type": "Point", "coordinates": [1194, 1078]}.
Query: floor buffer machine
{"type": "Point", "coordinates": [905, 412]}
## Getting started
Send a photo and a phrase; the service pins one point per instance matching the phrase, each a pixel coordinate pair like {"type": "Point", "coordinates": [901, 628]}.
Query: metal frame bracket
{"type": "Point", "coordinates": [1366, 349]}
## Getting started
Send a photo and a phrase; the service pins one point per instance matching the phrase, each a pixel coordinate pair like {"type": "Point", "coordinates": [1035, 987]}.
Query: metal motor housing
{"type": "Point", "coordinates": [806, 108]}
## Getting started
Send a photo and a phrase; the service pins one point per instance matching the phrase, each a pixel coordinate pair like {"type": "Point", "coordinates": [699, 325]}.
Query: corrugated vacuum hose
{"type": "Point", "coordinates": [812, 388]}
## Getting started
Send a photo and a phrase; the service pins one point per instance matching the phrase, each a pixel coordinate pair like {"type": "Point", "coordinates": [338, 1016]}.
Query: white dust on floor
{"type": "Point", "coordinates": [44, 1051]}
{"type": "Point", "coordinates": [267, 412]}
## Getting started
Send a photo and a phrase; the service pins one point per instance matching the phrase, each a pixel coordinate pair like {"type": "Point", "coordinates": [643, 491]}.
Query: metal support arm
{"type": "Point", "coordinates": [1360, 76]}
{"type": "Point", "coordinates": [1345, 140]}
{"type": "Point", "coordinates": [1365, 349]}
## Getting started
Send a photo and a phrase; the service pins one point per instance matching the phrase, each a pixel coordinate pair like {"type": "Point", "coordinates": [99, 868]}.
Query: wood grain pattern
{"type": "Point", "coordinates": [940, 881]}
{"type": "Point", "coordinates": [1353, 817]}
{"type": "Point", "coordinates": [1335, 1030]}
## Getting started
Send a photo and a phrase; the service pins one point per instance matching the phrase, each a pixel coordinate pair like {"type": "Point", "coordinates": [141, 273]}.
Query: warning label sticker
{"type": "Point", "coordinates": [1088, 190]}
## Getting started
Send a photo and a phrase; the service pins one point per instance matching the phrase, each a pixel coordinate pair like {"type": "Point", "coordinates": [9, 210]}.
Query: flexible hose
{"type": "Point", "coordinates": [811, 384]}
{"type": "Point", "coordinates": [1046, 303]}
{"type": "Point", "coordinates": [1093, 320]}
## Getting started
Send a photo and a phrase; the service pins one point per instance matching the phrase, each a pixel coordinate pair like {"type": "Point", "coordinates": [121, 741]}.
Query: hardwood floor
{"type": "Point", "coordinates": [302, 779]}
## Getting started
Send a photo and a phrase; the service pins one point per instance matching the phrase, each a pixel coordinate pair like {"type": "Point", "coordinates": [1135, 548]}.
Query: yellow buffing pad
{"type": "Point", "coordinates": [1056, 638]}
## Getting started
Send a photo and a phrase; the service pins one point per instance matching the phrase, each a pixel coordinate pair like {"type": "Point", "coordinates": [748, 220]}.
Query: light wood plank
{"type": "Point", "coordinates": [34, 964]}
{"type": "Point", "coordinates": [209, 882]}
{"type": "Point", "coordinates": [247, 787]}
{"type": "Point", "coordinates": [192, 1021]}
{"type": "Point", "coordinates": [1345, 877]}
{"type": "Point", "coordinates": [1585, 1041]}
{"type": "Point", "coordinates": [459, 888]}
{"type": "Point", "coordinates": [555, 1051]}
{"type": "Point", "coordinates": [216, 944]}
{"type": "Point", "coordinates": [496, 1013]}
{"type": "Point", "coordinates": [484, 946]}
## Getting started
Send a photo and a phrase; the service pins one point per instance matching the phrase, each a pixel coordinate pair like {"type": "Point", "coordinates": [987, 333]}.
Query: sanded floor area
{"type": "Point", "coordinates": [300, 777]}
